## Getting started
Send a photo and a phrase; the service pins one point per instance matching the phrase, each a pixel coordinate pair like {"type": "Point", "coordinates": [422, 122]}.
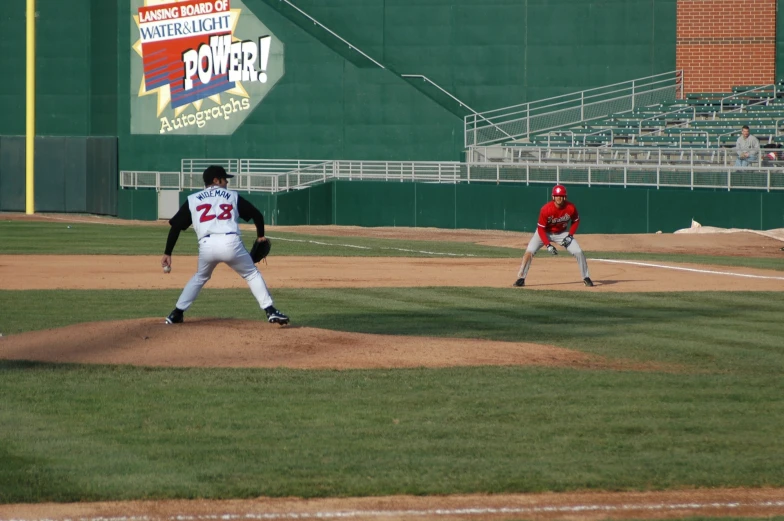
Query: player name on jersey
{"type": "Point", "coordinates": [217, 192]}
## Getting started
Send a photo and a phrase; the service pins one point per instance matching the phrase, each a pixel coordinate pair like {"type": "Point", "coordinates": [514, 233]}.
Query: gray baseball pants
{"type": "Point", "coordinates": [536, 244]}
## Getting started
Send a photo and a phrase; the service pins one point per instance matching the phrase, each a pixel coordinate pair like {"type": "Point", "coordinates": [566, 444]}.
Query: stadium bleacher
{"type": "Point", "coordinates": [700, 120]}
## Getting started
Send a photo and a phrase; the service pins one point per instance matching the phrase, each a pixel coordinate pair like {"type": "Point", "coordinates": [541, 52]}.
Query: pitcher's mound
{"type": "Point", "coordinates": [243, 343]}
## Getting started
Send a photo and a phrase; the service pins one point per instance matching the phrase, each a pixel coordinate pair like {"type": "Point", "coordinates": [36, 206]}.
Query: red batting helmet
{"type": "Point", "coordinates": [559, 190]}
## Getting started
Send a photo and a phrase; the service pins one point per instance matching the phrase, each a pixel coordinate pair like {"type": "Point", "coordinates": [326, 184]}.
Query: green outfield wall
{"type": "Point", "coordinates": [331, 103]}
{"type": "Point", "coordinates": [72, 174]}
{"type": "Point", "coordinates": [498, 207]}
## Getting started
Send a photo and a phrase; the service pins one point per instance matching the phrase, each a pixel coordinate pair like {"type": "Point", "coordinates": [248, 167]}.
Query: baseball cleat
{"type": "Point", "coordinates": [276, 317]}
{"type": "Point", "coordinates": [175, 317]}
{"type": "Point", "coordinates": [588, 282]}
{"type": "Point", "coordinates": [519, 282]}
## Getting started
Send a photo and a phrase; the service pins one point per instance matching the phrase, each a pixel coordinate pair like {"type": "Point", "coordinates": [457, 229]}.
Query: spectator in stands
{"type": "Point", "coordinates": [747, 147]}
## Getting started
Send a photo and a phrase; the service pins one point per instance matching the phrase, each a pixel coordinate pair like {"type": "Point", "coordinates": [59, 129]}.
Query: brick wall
{"type": "Point", "coordinates": [724, 43]}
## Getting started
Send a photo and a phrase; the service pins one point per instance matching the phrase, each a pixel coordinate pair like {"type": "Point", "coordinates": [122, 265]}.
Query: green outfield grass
{"type": "Point", "coordinates": [713, 418]}
{"type": "Point", "coordinates": [104, 239]}
{"type": "Point", "coordinates": [707, 331]}
{"type": "Point", "coordinates": [101, 433]}
{"type": "Point", "coordinates": [101, 239]}
{"type": "Point", "coordinates": [72, 433]}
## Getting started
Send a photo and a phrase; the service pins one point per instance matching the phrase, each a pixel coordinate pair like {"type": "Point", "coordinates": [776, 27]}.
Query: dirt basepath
{"type": "Point", "coordinates": [592, 506]}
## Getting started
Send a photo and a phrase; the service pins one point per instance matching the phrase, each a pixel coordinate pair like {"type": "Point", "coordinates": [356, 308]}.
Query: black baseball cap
{"type": "Point", "coordinates": [213, 172]}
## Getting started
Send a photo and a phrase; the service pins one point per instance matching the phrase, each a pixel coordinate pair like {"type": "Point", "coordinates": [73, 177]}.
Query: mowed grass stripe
{"type": "Point", "coordinates": [35, 238]}
{"type": "Point", "coordinates": [732, 332]}
{"type": "Point", "coordinates": [97, 239]}
{"type": "Point", "coordinates": [76, 433]}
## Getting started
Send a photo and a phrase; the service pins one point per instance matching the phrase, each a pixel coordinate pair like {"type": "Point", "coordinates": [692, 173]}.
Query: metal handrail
{"type": "Point", "coordinates": [718, 138]}
{"type": "Point", "coordinates": [333, 33]}
{"type": "Point", "coordinates": [601, 131]}
{"type": "Point", "coordinates": [552, 113]}
{"type": "Point", "coordinates": [591, 90]}
{"type": "Point", "coordinates": [549, 134]}
{"type": "Point", "coordinates": [580, 173]}
{"type": "Point", "coordinates": [198, 165]}
{"type": "Point", "coordinates": [696, 132]}
{"type": "Point", "coordinates": [682, 109]}
{"type": "Point", "coordinates": [461, 103]}
{"type": "Point", "coordinates": [626, 155]}
{"type": "Point", "coordinates": [521, 115]}
{"type": "Point", "coordinates": [434, 84]}
{"type": "Point", "coordinates": [738, 94]}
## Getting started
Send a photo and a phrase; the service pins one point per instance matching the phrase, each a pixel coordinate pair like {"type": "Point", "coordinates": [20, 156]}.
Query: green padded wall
{"type": "Point", "coordinates": [12, 173]}
{"type": "Point", "coordinates": [495, 207]}
{"type": "Point", "coordinates": [495, 53]}
{"type": "Point", "coordinates": [72, 174]}
{"type": "Point", "coordinates": [76, 67]}
{"type": "Point", "coordinates": [12, 63]}
{"type": "Point", "coordinates": [141, 205]}
{"type": "Point", "coordinates": [516, 207]}
{"type": "Point", "coordinates": [103, 67]}
{"type": "Point", "coordinates": [62, 68]}
{"type": "Point", "coordinates": [101, 175]}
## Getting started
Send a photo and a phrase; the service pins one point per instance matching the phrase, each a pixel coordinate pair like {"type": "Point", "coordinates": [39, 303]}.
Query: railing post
{"type": "Point", "coordinates": [497, 173]}
{"type": "Point", "coordinates": [729, 179]}
{"type": "Point", "coordinates": [633, 94]}
{"type": "Point", "coordinates": [557, 174]}
{"type": "Point", "coordinates": [682, 73]}
{"type": "Point", "coordinates": [582, 105]}
{"type": "Point", "coordinates": [468, 173]}
{"type": "Point", "coordinates": [528, 174]}
{"type": "Point", "coordinates": [527, 119]}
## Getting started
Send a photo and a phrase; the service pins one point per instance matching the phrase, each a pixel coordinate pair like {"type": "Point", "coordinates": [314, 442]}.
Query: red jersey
{"type": "Point", "coordinates": [554, 220]}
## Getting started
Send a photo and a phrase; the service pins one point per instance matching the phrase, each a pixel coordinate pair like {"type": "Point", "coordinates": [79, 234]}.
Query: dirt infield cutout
{"type": "Point", "coordinates": [245, 343]}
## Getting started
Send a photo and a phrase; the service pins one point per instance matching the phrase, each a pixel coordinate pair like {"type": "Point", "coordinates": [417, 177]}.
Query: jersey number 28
{"type": "Point", "coordinates": [206, 215]}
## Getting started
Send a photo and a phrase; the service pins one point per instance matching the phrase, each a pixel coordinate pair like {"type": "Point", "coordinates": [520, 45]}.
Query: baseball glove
{"type": "Point", "coordinates": [567, 241]}
{"type": "Point", "coordinates": [260, 250]}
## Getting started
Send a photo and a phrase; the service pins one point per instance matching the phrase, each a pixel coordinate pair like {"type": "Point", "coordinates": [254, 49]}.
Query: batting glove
{"type": "Point", "coordinates": [552, 249]}
{"type": "Point", "coordinates": [567, 241]}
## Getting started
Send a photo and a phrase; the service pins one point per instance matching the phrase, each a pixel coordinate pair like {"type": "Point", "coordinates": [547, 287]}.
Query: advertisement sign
{"type": "Point", "coordinates": [198, 66]}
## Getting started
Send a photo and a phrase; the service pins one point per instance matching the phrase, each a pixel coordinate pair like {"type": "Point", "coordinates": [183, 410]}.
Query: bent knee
{"type": "Point", "coordinates": [249, 276]}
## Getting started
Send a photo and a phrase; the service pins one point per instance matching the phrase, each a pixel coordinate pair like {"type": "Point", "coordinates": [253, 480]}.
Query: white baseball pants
{"type": "Point", "coordinates": [228, 248]}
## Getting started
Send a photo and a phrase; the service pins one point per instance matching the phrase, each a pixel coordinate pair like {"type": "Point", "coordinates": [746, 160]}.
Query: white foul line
{"type": "Point", "coordinates": [347, 514]}
{"type": "Point", "coordinates": [370, 248]}
{"type": "Point", "coordinates": [695, 270]}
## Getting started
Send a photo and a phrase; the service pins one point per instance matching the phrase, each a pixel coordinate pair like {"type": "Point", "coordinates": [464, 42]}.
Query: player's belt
{"type": "Point", "coordinates": [227, 233]}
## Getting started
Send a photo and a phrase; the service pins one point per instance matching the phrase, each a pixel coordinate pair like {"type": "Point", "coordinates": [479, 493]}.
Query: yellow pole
{"type": "Point", "coordinates": [30, 112]}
